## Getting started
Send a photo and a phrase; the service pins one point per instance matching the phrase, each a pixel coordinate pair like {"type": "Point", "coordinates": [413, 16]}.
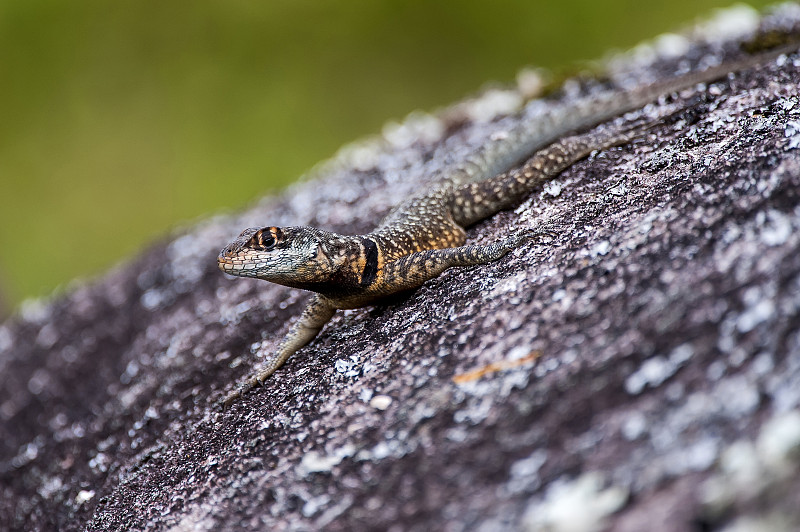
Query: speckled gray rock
{"type": "Point", "coordinates": [639, 372]}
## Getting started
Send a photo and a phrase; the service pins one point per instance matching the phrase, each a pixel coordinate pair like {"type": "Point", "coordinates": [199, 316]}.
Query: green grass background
{"type": "Point", "coordinates": [120, 119]}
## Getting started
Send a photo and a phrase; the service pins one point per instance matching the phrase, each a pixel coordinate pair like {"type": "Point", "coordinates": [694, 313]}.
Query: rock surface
{"type": "Point", "coordinates": [639, 372]}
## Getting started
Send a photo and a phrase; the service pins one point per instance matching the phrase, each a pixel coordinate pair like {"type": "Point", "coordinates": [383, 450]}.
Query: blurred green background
{"type": "Point", "coordinates": [122, 118]}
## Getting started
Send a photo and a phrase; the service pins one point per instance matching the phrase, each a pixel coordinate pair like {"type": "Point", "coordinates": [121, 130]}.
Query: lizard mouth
{"type": "Point", "coordinates": [230, 260]}
{"type": "Point", "coordinates": [233, 266]}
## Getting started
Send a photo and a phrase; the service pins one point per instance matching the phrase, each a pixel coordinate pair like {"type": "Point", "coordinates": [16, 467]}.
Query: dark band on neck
{"type": "Point", "coordinates": [370, 262]}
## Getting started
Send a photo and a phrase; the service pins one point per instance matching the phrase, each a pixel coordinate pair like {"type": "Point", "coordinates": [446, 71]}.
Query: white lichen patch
{"type": "Point", "coordinates": [508, 285]}
{"type": "Point", "coordinates": [669, 45]}
{"type": "Point", "coordinates": [658, 369]}
{"type": "Point", "coordinates": [531, 82]}
{"type": "Point", "coordinates": [50, 486]}
{"type": "Point", "coordinates": [316, 462]}
{"type": "Point", "coordinates": [418, 126]}
{"type": "Point", "coordinates": [579, 505]}
{"type": "Point", "coordinates": [776, 227]}
{"type": "Point", "coordinates": [759, 308]}
{"type": "Point", "coordinates": [750, 470]}
{"type": "Point", "coordinates": [349, 367]}
{"type": "Point", "coordinates": [600, 248]}
{"type": "Point", "coordinates": [380, 402]}
{"type": "Point", "coordinates": [35, 310]}
{"type": "Point", "coordinates": [634, 426]}
{"type": "Point", "coordinates": [734, 22]}
{"type": "Point", "coordinates": [524, 473]}
{"type": "Point", "coordinates": [313, 462]}
{"type": "Point", "coordinates": [488, 106]}
{"type": "Point", "coordinates": [6, 340]}
{"type": "Point", "coordinates": [792, 132]}
{"type": "Point", "coordinates": [84, 496]}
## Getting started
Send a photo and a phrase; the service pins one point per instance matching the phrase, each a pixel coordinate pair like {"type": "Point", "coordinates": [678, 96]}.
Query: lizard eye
{"type": "Point", "coordinates": [268, 238]}
{"type": "Point", "coordinates": [263, 240]}
{"type": "Point", "coordinates": [268, 242]}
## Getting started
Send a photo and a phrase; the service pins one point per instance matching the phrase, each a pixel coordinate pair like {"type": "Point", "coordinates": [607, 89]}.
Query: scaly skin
{"type": "Point", "coordinates": [424, 235]}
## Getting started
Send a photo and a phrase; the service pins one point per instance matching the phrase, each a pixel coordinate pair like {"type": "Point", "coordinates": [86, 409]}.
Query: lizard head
{"type": "Point", "coordinates": [290, 256]}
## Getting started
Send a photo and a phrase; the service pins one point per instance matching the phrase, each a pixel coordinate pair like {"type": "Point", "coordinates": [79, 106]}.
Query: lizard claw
{"type": "Point", "coordinates": [227, 401]}
{"type": "Point", "coordinates": [547, 231]}
{"type": "Point", "coordinates": [236, 394]}
{"type": "Point", "coordinates": [257, 380]}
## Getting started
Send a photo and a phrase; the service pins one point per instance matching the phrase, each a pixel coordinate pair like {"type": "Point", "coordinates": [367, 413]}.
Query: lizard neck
{"type": "Point", "coordinates": [346, 266]}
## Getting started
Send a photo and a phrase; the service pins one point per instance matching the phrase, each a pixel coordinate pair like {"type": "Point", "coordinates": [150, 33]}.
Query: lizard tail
{"type": "Point", "coordinates": [505, 151]}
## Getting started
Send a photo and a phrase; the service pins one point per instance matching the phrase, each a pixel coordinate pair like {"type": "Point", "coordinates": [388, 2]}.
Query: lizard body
{"type": "Point", "coordinates": [425, 234]}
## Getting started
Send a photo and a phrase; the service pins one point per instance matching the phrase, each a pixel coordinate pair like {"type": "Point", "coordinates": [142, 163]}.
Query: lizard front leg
{"type": "Point", "coordinates": [412, 270]}
{"type": "Point", "coordinates": [318, 312]}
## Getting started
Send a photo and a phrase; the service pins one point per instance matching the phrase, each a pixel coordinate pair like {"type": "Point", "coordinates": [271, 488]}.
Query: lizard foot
{"type": "Point", "coordinates": [257, 380]}
{"type": "Point", "coordinates": [545, 230]}
{"type": "Point", "coordinates": [239, 392]}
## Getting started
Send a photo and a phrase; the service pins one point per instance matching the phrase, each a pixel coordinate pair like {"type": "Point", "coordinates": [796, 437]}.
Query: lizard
{"type": "Point", "coordinates": [425, 234]}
